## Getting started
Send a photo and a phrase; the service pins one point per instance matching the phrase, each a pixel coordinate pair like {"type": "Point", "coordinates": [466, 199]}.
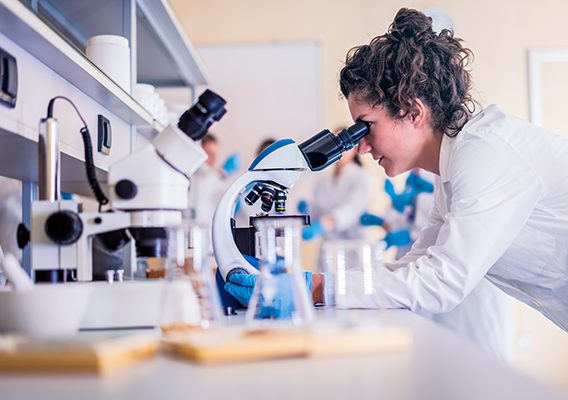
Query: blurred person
{"type": "Point", "coordinates": [338, 199]}
{"type": "Point", "coordinates": [208, 184]}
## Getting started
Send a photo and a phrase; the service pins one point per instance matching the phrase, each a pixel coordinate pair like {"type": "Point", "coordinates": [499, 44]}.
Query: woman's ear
{"type": "Point", "coordinates": [418, 113]}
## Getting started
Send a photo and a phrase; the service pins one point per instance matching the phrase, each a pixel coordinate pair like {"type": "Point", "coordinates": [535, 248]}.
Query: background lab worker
{"type": "Point", "coordinates": [209, 182]}
{"type": "Point", "coordinates": [500, 208]}
{"type": "Point", "coordinates": [338, 200]}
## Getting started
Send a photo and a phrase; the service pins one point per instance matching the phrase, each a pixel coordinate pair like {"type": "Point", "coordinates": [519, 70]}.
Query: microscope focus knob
{"type": "Point", "coordinates": [64, 227]}
{"type": "Point", "coordinates": [126, 189]}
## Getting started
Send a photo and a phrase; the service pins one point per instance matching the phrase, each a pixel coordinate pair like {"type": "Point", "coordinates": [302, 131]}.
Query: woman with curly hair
{"type": "Point", "coordinates": [501, 198]}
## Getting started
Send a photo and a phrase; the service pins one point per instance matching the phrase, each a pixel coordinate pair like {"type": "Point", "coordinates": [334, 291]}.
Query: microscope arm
{"type": "Point", "coordinates": [227, 254]}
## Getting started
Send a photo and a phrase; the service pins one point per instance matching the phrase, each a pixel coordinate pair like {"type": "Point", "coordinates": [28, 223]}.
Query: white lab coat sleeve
{"type": "Point", "coordinates": [426, 237]}
{"type": "Point", "coordinates": [347, 215]}
{"type": "Point", "coordinates": [491, 192]}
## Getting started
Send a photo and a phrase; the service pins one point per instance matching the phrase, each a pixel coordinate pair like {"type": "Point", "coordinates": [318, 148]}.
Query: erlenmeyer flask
{"type": "Point", "coordinates": [190, 300]}
{"type": "Point", "coordinates": [280, 292]}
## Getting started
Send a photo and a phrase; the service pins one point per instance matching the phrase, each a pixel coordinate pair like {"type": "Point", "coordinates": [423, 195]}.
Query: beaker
{"type": "Point", "coordinates": [190, 299]}
{"type": "Point", "coordinates": [351, 272]}
{"type": "Point", "coordinates": [280, 292]}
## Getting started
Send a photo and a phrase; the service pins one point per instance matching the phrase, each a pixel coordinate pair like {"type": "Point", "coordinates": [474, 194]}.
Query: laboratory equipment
{"type": "Point", "coordinates": [190, 299]}
{"type": "Point", "coordinates": [148, 191]}
{"type": "Point", "coordinates": [351, 268]}
{"type": "Point", "coordinates": [280, 292]}
{"type": "Point", "coordinates": [269, 178]}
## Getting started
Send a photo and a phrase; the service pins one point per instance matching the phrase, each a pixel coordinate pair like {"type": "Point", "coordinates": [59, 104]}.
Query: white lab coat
{"type": "Point", "coordinates": [206, 188]}
{"type": "Point", "coordinates": [500, 211]}
{"type": "Point", "coordinates": [485, 315]}
{"type": "Point", "coordinates": [345, 198]}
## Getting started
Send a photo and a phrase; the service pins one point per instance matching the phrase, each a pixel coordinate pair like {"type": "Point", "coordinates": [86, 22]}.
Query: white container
{"type": "Point", "coordinates": [111, 54]}
{"type": "Point", "coordinates": [44, 310]}
{"type": "Point", "coordinates": [144, 94]}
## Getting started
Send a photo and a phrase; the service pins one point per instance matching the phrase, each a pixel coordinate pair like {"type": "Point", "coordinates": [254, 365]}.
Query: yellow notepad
{"type": "Point", "coordinates": [84, 352]}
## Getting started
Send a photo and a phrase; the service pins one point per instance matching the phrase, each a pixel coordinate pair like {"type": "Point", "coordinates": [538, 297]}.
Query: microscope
{"type": "Point", "coordinates": [148, 192]}
{"type": "Point", "coordinates": [269, 178]}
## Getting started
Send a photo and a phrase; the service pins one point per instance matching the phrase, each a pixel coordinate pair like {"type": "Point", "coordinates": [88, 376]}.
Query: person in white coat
{"type": "Point", "coordinates": [500, 209]}
{"type": "Point", "coordinates": [209, 183]}
{"type": "Point", "coordinates": [339, 198]}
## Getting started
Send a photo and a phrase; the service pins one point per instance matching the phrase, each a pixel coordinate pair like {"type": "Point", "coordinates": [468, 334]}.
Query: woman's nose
{"type": "Point", "coordinates": [363, 147]}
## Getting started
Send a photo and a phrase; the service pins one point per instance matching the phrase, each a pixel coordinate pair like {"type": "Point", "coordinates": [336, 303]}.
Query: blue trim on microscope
{"type": "Point", "coordinates": [270, 149]}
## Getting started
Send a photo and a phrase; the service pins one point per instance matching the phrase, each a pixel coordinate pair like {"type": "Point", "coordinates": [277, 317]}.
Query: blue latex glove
{"type": "Point", "coordinates": [303, 207]}
{"type": "Point", "coordinates": [313, 231]}
{"type": "Point", "coordinates": [419, 184]}
{"type": "Point", "coordinates": [241, 287]}
{"type": "Point", "coordinates": [399, 201]}
{"type": "Point", "coordinates": [231, 164]}
{"type": "Point", "coordinates": [367, 219]}
{"type": "Point", "coordinates": [398, 238]}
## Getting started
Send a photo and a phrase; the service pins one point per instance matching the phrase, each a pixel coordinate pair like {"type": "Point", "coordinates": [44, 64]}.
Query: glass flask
{"type": "Point", "coordinates": [280, 292]}
{"type": "Point", "coordinates": [351, 269]}
{"type": "Point", "coordinates": [190, 299]}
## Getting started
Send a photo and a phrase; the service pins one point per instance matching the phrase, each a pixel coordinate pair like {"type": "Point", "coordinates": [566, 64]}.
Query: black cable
{"type": "Point", "coordinates": [90, 165]}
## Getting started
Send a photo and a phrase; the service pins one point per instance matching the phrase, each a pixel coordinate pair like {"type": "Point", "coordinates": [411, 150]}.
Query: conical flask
{"type": "Point", "coordinates": [190, 299]}
{"type": "Point", "coordinates": [280, 292]}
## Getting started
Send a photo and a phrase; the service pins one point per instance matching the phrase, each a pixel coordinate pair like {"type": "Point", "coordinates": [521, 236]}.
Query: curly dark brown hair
{"type": "Point", "coordinates": [412, 62]}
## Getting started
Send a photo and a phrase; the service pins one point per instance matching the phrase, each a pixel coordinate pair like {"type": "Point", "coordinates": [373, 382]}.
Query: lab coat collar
{"type": "Point", "coordinates": [445, 149]}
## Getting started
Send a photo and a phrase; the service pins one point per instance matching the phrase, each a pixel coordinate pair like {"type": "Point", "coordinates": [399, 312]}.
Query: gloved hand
{"type": "Point", "coordinates": [398, 238]}
{"type": "Point", "coordinates": [241, 287]}
{"type": "Point", "coordinates": [303, 207]}
{"type": "Point", "coordinates": [419, 184]}
{"type": "Point", "coordinates": [368, 219]}
{"type": "Point", "coordinates": [313, 231]}
{"type": "Point", "coordinates": [399, 201]}
{"type": "Point", "coordinates": [231, 164]}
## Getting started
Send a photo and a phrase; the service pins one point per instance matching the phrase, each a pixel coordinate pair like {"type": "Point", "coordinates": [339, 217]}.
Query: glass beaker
{"type": "Point", "coordinates": [351, 269]}
{"type": "Point", "coordinates": [280, 292]}
{"type": "Point", "coordinates": [190, 299]}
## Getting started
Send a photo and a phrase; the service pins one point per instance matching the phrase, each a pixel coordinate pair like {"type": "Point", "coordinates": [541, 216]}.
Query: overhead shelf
{"type": "Point", "coordinates": [57, 36]}
{"type": "Point", "coordinates": [25, 29]}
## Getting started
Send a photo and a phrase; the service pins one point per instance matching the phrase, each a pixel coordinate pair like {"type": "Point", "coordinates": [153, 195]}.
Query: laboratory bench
{"type": "Point", "coordinates": [438, 365]}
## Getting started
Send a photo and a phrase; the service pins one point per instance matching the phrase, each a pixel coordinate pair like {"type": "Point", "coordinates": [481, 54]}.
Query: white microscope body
{"type": "Point", "coordinates": [267, 167]}
{"type": "Point", "coordinates": [275, 170]}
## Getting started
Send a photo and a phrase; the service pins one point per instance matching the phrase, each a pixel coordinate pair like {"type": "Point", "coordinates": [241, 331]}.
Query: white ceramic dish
{"type": "Point", "coordinates": [47, 309]}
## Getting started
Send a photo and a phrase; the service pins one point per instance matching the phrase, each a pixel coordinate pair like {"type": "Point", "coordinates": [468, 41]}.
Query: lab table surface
{"type": "Point", "coordinates": [439, 365]}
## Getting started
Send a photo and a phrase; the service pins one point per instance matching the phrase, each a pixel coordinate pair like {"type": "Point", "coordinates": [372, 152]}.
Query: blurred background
{"type": "Point", "coordinates": [277, 64]}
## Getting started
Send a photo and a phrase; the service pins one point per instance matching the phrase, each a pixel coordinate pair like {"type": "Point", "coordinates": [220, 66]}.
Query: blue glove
{"type": "Point", "coordinates": [398, 238]}
{"type": "Point", "coordinates": [399, 201]}
{"type": "Point", "coordinates": [313, 231]}
{"type": "Point", "coordinates": [418, 184]}
{"type": "Point", "coordinates": [241, 287]}
{"type": "Point", "coordinates": [231, 164]}
{"type": "Point", "coordinates": [367, 219]}
{"type": "Point", "coordinates": [303, 207]}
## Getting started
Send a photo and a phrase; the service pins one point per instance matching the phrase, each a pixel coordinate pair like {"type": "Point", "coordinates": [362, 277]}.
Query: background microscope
{"type": "Point", "coordinates": [148, 191]}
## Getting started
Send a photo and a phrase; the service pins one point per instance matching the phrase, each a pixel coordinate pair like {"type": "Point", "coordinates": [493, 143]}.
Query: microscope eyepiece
{"type": "Point", "coordinates": [196, 121]}
{"type": "Point", "coordinates": [325, 148]}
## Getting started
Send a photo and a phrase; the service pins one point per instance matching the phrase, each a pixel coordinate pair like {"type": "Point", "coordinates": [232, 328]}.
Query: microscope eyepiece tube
{"type": "Point", "coordinates": [195, 122]}
{"type": "Point", "coordinates": [325, 148]}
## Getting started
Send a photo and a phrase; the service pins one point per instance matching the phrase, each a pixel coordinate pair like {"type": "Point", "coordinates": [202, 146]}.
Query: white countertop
{"type": "Point", "coordinates": [440, 365]}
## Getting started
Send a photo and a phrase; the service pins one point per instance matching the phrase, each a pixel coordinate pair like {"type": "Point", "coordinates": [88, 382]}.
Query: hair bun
{"type": "Point", "coordinates": [410, 23]}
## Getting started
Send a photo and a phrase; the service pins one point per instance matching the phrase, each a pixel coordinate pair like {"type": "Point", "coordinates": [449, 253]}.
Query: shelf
{"type": "Point", "coordinates": [24, 28]}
